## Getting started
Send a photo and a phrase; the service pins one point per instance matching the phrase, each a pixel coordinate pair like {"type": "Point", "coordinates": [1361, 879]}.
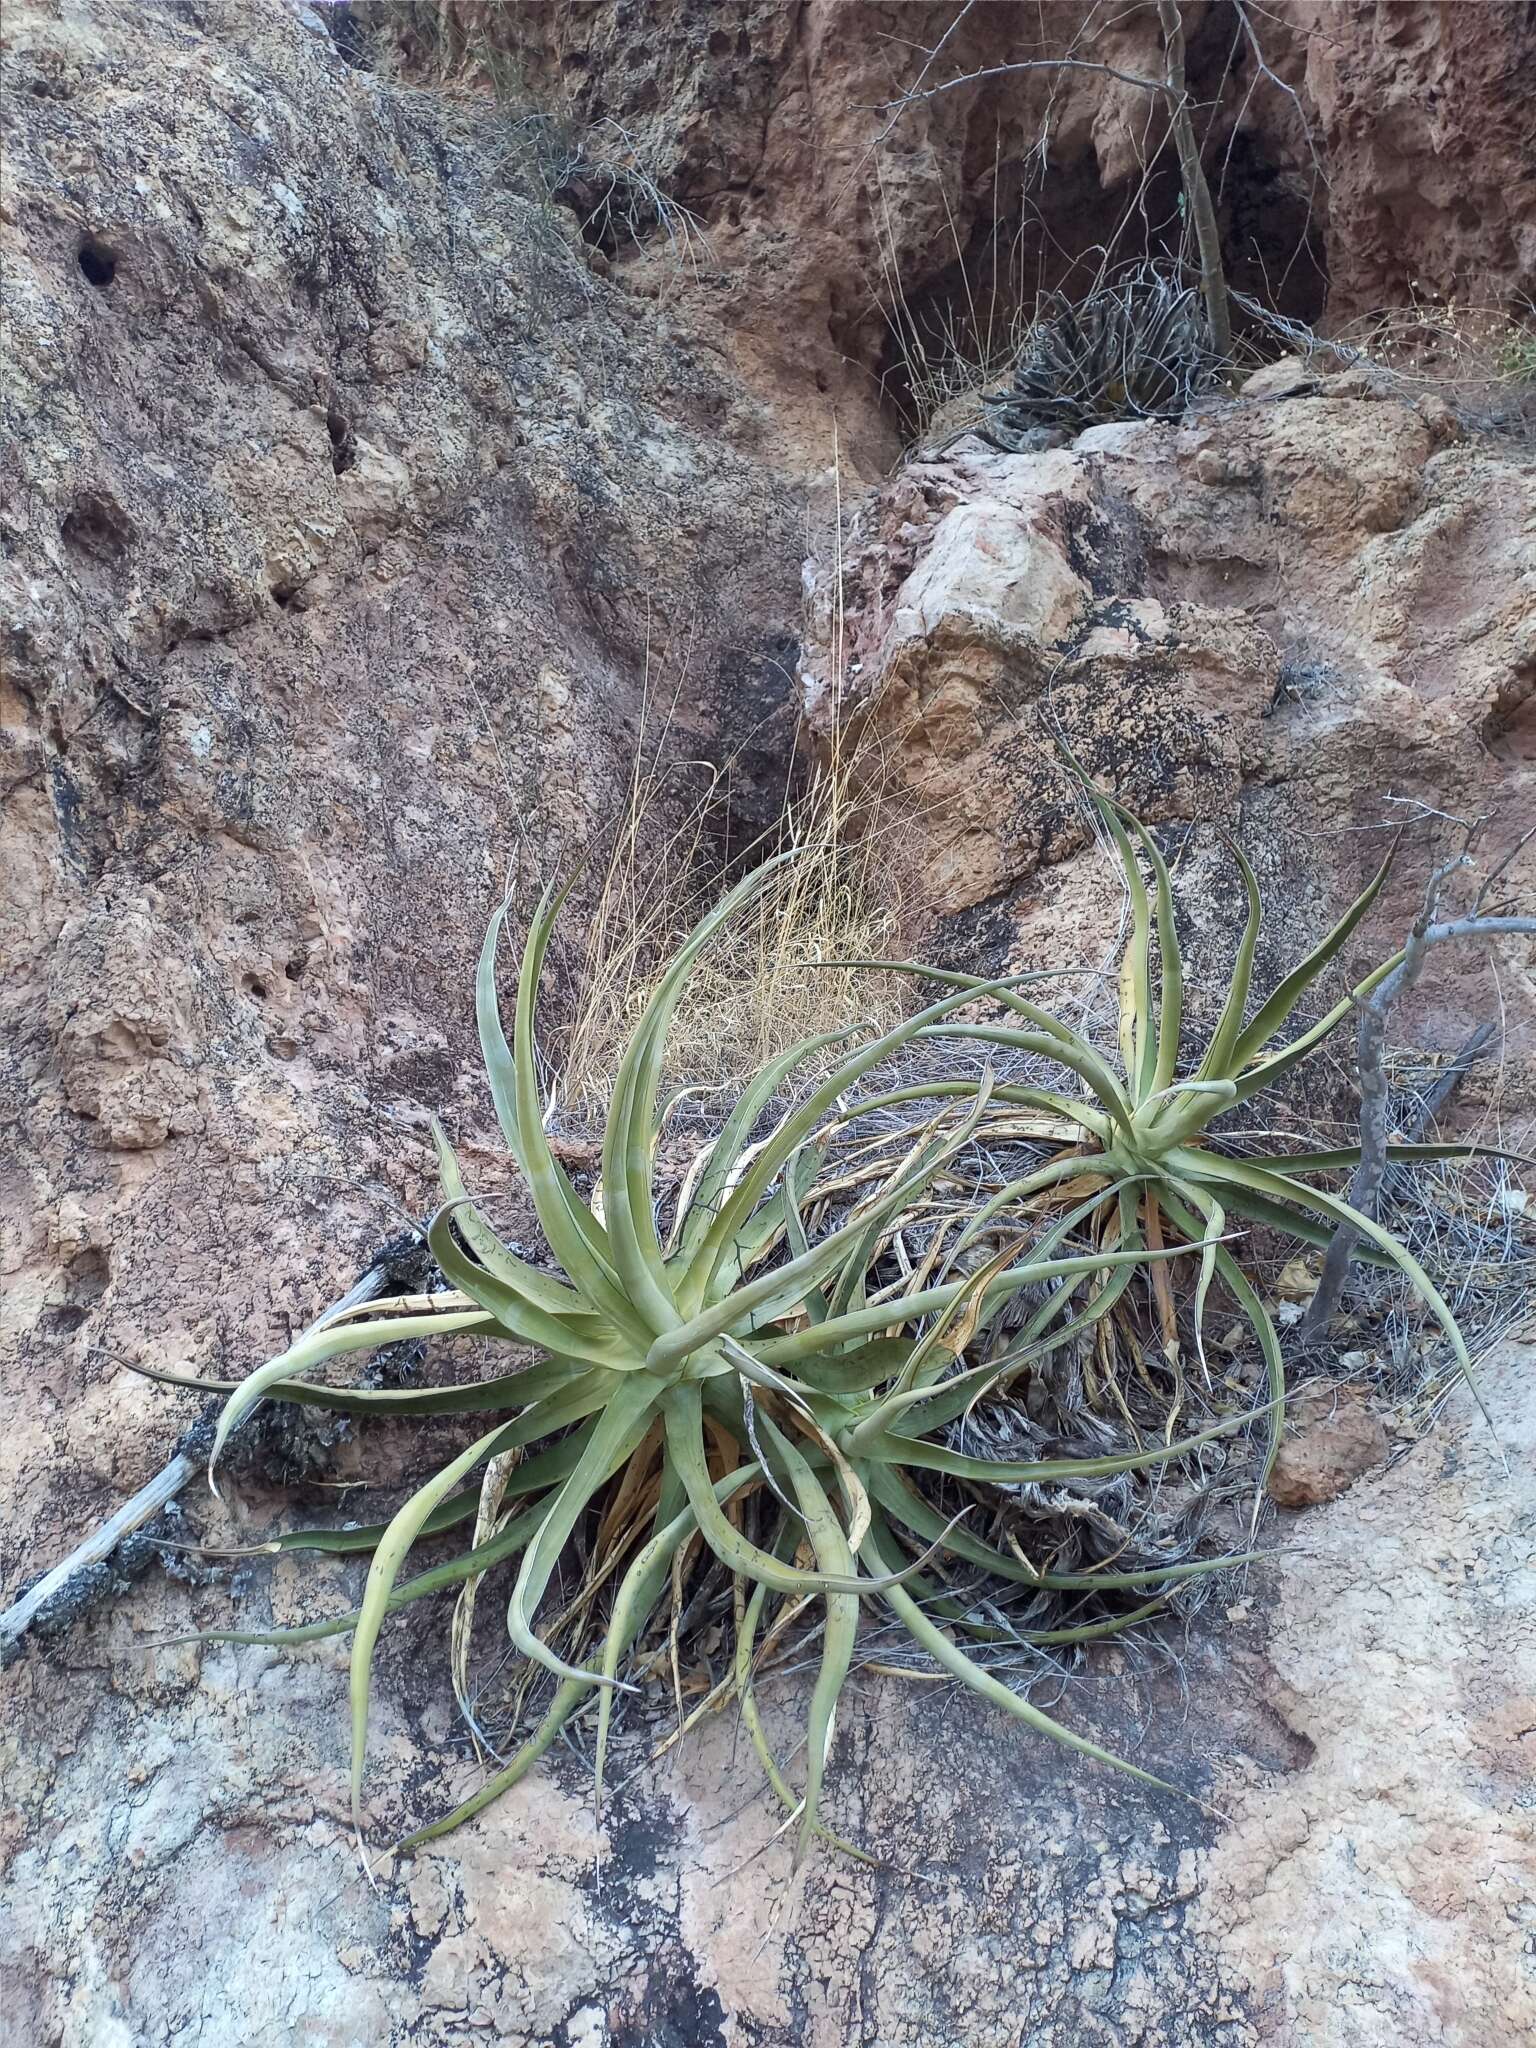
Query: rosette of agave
{"type": "Point", "coordinates": [739, 1374]}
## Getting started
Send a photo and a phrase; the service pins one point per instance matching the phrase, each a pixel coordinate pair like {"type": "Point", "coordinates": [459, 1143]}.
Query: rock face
{"type": "Point", "coordinates": [1361, 155]}
{"type": "Point", "coordinates": [1425, 116]}
{"type": "Point", "coordinates": [1384, 1893]}
{"type": "Point", "coordinates": [354, 510]}
{"type": "Point", "coordinates": [1306, 614]}
{"type": "Point", "coordinates": [344, 509]}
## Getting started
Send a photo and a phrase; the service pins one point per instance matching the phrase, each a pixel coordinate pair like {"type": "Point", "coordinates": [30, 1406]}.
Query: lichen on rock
{"type": "Point", "coordinates": [355, 508]}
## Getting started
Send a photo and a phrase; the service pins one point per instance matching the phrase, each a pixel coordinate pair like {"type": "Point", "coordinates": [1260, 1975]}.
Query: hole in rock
{"type": "Point", "coordinates": [96, 525]}
{"type": "Point", "coordinates": [98, 262]}
{"type": "Point", "coordinates": [254, 986]}
{"type": "Point", "coordinates": [62, 1321]}
{"type": "Point", "coordinates": [343, 441]}
{"type": "Point", "coordinates": [88, 1277]}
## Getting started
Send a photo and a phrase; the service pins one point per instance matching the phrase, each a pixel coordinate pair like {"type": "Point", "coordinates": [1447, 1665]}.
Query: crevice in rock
{"type": "Point", "coordinates": [343, 440]}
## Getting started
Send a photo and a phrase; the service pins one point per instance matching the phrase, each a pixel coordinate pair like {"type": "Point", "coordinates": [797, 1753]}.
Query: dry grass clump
{"type": "Point", "coordinates": [468, 51]}
{"type": "Point", "coordinates": [1447, 342]}
{"type": "Point", "coordinates": [778, 973]}
{"type": "Point", "coordinates": [1479, 358]}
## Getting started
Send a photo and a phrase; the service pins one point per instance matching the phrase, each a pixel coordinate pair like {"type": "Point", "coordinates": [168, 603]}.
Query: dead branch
{"type": "Point", "coordinates": [1213, 277]}
{"type": "Point", "coordinates": [1370, 1176]}
{"type": "Point", "coordinates": [157, 1494]}
{"type": "Point", "coordinates": [932, 92]}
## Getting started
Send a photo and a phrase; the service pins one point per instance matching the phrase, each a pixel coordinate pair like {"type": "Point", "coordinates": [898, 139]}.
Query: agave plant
{"type": "Point", "coordinates": [1142, 1139]}
{"type": "Point", "coordinates": [730, 1381]}
{"type": "Point", "coordinates": [1135, 348]}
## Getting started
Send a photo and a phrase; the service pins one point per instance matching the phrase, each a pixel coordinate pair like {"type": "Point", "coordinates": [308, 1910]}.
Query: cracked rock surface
{"type": "Point", "coordinates": [346, 509]}
{"type": "Point", "coordinates": [178, 1863]}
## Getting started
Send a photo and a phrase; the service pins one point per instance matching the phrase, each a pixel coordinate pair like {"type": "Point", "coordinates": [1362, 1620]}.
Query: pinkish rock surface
{"type": "Point", "coordinates": [350, 501]}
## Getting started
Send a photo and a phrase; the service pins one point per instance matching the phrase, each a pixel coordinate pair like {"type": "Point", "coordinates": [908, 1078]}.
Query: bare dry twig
{"type": "Point", "coordinates": [1368, 1180]}
{"type": "Point", "coordinates": [1173, 90]}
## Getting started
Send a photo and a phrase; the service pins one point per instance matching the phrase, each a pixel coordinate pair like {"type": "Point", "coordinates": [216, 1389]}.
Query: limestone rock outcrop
{"type": "Point", "coordinates": [1304, 614]}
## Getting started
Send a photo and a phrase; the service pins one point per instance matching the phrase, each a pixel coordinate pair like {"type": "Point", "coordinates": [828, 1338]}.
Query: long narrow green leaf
{"type": "Point", "coordinates": [765, 1168]}
{"type": "Point", "coordinates": [954, 1660]}
{"type": "Point", "coordinates": [764, 1231]}
{"type": "Point", "coordinates": [1044, 1099]}
{"type": "Point", "coordinates": [784, 1287]}
{"type": "Point", "coordinates": [632, 1604]}
{"type": "Point", "coordinates": [835, 1560]}
{"type": "Point", "coordinates": [571, 1336]}
{"type": "Point", "coordinates": [1138, 1027]}
{"type": "Point", "coordinates": [333, 1341]}
{"type": "Point", "coordinates": [1347, 1157]}
{"type": "Point", "coordinates": [1271, 1015]}
{"type": "Point", "coordinates": [880, 1316]}
{"type": "Point", "coordinates": [494, 1050]}
{"type": "Point", "coordinates": [682, 1408]}
{"type": "Point", "coordinates": [439, 1579]}
{"type": "Point", "coordinates": [506, 1390]}
{"type": "Point", "coordinates": [627, 1146]}
{"type": "Point", "coordinates": [407, 1526]}
{"type": "Point", "coordinates": [572, 1232]}
{"type": "Point", "coordinates": [573, 1694]}
{"type": "Point", "coordinates": [1214, 1218]}
{"type": "Point", "coordinates": [1170, 1016]}
{"type": "Point", "coordinates": [1219, 1054]}
{"type": "Point", "coordinates": [1257, 1208]}
{"type": "Point", "coordinates": [1257, 1317]}
{"type": "Point", "coordinates": [727, 1149]}
{"type": "Point", "coordinates": [545, 1469]}
{"type": "Point", "coordinates": [1074, 1057]}
{"type": "Point", "coordinates": [1084, 1061]}
{"type": "Point", "coordinates": [1283, 1188]}
{"type": "Point", "coordinates": [1034, 1183]}
{"type": "Point", "coordinates": [897, 1448]}
{"type": "Point", "coordinates": [543, 1290]}
{"type": "Point", "coordinates": [851, 1372]}
{"type": "Point", "coordinates": [1255, 1079]}
{"type": "Point", "coordinates": [382, 1573]}
{"type": "Point", "coordinates": [625, 1418]}
{"type": "Point", "coordinates": [794, 1234]}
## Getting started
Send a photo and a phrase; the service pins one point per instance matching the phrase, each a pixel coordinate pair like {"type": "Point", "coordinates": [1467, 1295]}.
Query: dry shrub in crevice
{"type": "Point", "coordinates": [777, 975]}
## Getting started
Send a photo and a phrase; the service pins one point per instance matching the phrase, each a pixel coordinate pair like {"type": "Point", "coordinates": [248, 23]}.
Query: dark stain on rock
{"type": "Point", "coordinates": [1105, 545]}
{"type": "Point", "coordinates": [755, 714]}
{"type": "Point", "coordinates": [977, 940]}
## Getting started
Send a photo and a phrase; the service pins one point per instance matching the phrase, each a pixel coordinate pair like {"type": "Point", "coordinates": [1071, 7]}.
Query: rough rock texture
{"type": "Point", "coordinates": [1307, 613]}
{"type": "Point", "coordinates": [343, 509]}
{"type": "Point", "coordinates": [1336, 1436]}
{"type": "Point", "coordinates": [1385, 1894]}
{"type": "Point", "coordinates": [1426, 118]}
{"type": "Point", "coordinates": [345, 499]}
{"type": "Point", "coordinates": [1364, 155]}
